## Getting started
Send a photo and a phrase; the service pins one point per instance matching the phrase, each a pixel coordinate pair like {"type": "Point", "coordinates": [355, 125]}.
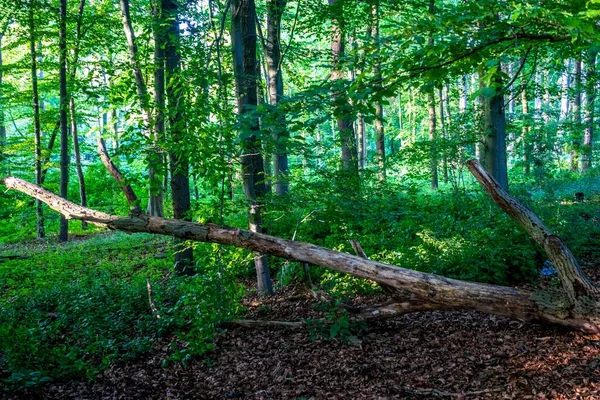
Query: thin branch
{"type": "Point", "coordinates": [291, 36]}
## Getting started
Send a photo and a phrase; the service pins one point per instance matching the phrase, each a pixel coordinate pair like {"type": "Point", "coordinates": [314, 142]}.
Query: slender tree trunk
{"type": "Point", "coordinates": [480, 144]}
{"type": "Point", "coordinates": [77, 153]}
{"type": "Point", "coordinates": [590, 98]}
{"type": "Point", "coordinates": [379, 129]}
{"type": "Point", "coordinates": [275, 10]}
{"type": "Point", "coordinates": [74, 131]}
{"type": "Point", "coordinates": [63, 235]}
{"type": "Point", "coordinates": [444, 132]}
{"type": "Point", "coordinates": [495, 135]}
{"type": "Point", "coordinates": [344, 122]}
{"type": "Point", "coordinates": [432, 119]}
{"type": "Point", "coordinates": [577, 127]}
{"type": "Point", "coordinates": [2, 118]}
{"type": "Point", "coordinates": [565, 104]}
{"type": "Point", "coordinates": [525, 132]}
{"type": "Point", "coordinates": [178, 155]}
{"type": "Point", "coordinates": [155, 158]}
{"type": "Point", "coordinates": [511, 92]}
{"type": "Point", "coordinates": [464, 92]}
{"type": "Point", "coordinates": [243, 40]}
{"type": "Point", "coordinates": [361, 140]}
{"type": "Point", "coordinates": [40, 233]}
{"type": "Point", "coordinates": [261, 99]}
{"type": "Point", "coordinates": [433, 139]}
{"type": "Point", "coordinates": [140, 84]}
{"type": "Point", "coordinates": [155, 190]}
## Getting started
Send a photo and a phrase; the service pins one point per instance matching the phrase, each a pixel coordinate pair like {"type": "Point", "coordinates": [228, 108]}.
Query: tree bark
{"type": "Point", "coordinates": [155, 196]}
{"type": "Point", "coordinates": [525, 131]}
{"type": "Point", "coordinates": [464, 92]}
{"type": "Point", "coordinates": [495, 135]}
{"type": "Point", "coordinates": [432, 139]}
{"type": "Point", "coordinates": [178, 154]}
{"type": "Point", "coordinates": [2, 118]}
{"type": "Point", "coordinates": [63, 234]}
{"type": "Point", "coordinates": [73, 115]}
{"type": "Point", "coordinates": [243, 40]}
{"type": "Point", "coordinates": [379, 129]}
{"type": "Point", "coordinates": [77, 153]}
{"type": "Point", "coordinates": [361, 139]}
{"type": "Point", "coordinates": [40, 233]}
{"type": "Point", "coordinates": [275, 10]}
{"type": "Point", "coordinates": [444, 132]}
{"type": "Point", "coordinates": [590, 99]}
{"type": "Point", "coordinates": [155, 158]}
{"type": "Point", "coordinates": [432, 119]}
{"type": "Point", "coordinates": [341, 105]}
{"type": "Point", "coordinates": [576, 135]}
{"type": "Point", "coordinates": [433, 291]}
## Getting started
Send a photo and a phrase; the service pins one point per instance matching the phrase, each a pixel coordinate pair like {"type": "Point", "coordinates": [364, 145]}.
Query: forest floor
{"type": "Point", "coordinates": [417, 356]}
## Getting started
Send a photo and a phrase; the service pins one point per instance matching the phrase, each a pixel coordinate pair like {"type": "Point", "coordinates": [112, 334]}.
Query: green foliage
{"type": "Point", "coordinates": [73, 310]}
{"type": "Point", "coordinates": [456, 233]}
{"type": "Point", "coordinates": [199, 305]}
{"type": "Point", "coordinates": [337, 324]}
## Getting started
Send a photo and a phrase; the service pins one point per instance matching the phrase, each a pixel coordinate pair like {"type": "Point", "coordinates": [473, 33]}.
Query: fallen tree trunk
{"type": "Point", "coordinates": [579, 295]}
{"type": "Point", "coordinates": [433, 292]}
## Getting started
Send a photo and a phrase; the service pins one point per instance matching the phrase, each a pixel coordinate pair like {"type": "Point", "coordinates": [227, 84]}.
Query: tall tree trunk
{"type": "Point", "coordinates": [495, 135]}
{"type": "Point", "coordinates": [243, 40]}
{"type": "Point", "coordinates": [432, 139]}
{"type": "Point", "coordinates": [444, 132]}
{"type": "Point", "coordinates": [275, 10]}
{"type": "Point", "coordinates": [63, 234]}
{"type": "Point", "coordinates": [464, 92]}
{"type": "Point", "coordinates": [156, 197]}
{"type": "Point", "coordinates": [2, 118]}
{"type": "Point", "coordinates": [590, 99]}
{"type": "Point", "coordinates": [74, 132]}
{"type": "Point", "coordinates": [261, 99]}
{"type": "Point", "coordinates": [576, 135]}
{"type": "Point", "coordinates": [432, 119]}
{"type": "Point", "coordinates": [40, 233]}
{"type": "Point", "coordinates": [140, 84]}
{"type": "Point", "coordinates": [379, 129]}
{"type": "Point", "coordinates": [77, 153]}
{"type": "Point", "coordinates": [178, 154]}
{"type": "Point", "coordinates": [511, 92]}
{"type": "Point", "coordinates": [155, 158]}
{"type": "Point", "coordinates": [361, 140]}
{"type": "Point", "coordinates": [575, 304]}
{"type": "Point", "coordinates": [480, 144]}
{"type": "Point", "coordinates": [344, 122]}
{"type": "Point", "coordinates": [525, 131]}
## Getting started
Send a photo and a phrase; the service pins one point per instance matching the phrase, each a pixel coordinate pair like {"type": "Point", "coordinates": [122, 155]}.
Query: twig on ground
{"type": "Point", "coordinates": [150, 301]}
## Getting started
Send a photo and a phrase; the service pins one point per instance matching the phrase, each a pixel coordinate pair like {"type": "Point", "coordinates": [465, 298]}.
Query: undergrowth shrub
{"type": "Point", "coordinates": [72, 310]}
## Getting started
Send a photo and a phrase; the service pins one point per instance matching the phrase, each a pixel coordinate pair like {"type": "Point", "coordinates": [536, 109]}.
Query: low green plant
{"type": "Point", "coordinates": [337, 324]}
